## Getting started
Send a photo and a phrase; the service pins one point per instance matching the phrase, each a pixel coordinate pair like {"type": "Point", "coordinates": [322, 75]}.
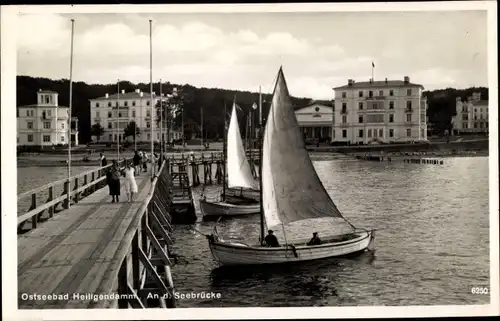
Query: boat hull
{"type": "Point", "coordinates": [211, 209]}
{"type": "Point", "coordinates": [237, 195]}
{"type": "Point", "coordinates": [235, 253]}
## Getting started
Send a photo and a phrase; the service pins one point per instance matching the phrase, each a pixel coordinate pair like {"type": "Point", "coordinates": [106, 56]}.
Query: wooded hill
{"type": "Point", "coordinates": [212, 100]}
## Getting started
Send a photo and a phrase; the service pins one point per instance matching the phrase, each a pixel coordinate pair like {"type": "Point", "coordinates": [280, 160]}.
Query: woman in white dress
{"type": "Point", "coordinates": [130, 183]}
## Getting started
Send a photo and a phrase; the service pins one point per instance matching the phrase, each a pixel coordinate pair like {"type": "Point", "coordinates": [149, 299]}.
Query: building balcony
{"type": "Point", "coordinates": [376, 98]}
{"type": "Point", "coordinates": [408, 110]}
{"type": "Point", "coordinates": [343, 111]}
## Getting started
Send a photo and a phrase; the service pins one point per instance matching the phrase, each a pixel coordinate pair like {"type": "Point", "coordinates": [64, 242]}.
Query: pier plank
{"type": "Point", "coordinates": [72, 252]}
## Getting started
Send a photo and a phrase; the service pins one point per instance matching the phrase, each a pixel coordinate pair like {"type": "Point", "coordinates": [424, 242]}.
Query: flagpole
{"type": "Point", "coordinates": [69, 111]}
{"type": "Point", "coordinates": [201, 124]}
{"type": "Point", "coordinates": [151, 90]}
{"type": "Point", "coordinates": [260, 139]}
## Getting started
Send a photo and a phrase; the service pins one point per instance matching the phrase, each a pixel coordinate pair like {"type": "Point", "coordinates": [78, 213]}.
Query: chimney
{"type": "Point", "coordinates": [123, 91]}
{"type": "Point", "coordinates": [407, 79]}
{"type": "Point", "coordinates": [386, 82]}
{"type": "Point", "coordinates": [137, 90]}
{"type": "Point", "coordinates": [107, 95]}
{"type": "Point", "coordinates": [350, 82]}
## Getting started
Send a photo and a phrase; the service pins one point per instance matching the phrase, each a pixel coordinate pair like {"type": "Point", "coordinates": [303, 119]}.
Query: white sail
{"type": "Point", "coordinates": [239, 173]}
{"type": "Point", "coordinates": [291, 188]}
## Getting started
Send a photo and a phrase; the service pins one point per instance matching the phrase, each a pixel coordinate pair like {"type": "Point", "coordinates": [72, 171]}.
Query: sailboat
{"type": "Point", "coordinates": [238, 175]}
{"type": "Point", "coordinates": [291, 192]}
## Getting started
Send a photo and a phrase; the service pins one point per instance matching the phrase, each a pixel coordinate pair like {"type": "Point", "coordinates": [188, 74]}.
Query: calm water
{"type": "Point", "coordinates": [433, 245]}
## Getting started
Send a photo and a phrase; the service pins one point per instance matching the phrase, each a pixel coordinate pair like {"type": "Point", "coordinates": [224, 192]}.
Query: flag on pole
{"type": "Point", "coordinates": [373, 65]}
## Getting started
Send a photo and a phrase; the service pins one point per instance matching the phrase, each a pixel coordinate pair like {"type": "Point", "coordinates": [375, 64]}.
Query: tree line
{"type": "Point", "coordinates": [213, 101]}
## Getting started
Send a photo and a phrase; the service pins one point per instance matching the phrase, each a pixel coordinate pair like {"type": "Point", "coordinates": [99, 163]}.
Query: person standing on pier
{"type": "Point", "coordinates": [137, 162]}
{"type": "Point", "coordinates": [145, 160]}
{"type": "Point", "coordinates": [113, 178]}
{"type": "Point", "coordinates": [104, 161]}
{"type": "Point", "coordinates": [130, 183]}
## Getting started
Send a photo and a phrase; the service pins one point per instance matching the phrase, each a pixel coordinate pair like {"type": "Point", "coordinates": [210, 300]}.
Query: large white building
{"type": "Point", "coordinates": [472, 115]}
{"type": "Point", "coordinates": [115, 112]}
{"type": "Point", "coordinates": [315, 121]}
{"type": "Point", "coordinates": [45, 123]}
{"type": "Point", "coordinates": [379, 111]}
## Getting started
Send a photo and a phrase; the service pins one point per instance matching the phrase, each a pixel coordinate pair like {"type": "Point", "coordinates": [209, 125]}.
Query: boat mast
{"type": "Point", "coordinates": [151, 92]}
{"type": "Point", "coordinates": [260, 169]}
{"type": "Point", "coordinates": [224, 154]}
{"type": "Point", "coordinates": [69, 111]}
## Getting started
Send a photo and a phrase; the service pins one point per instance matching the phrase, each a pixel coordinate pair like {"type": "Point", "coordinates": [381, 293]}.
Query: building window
{"type": "Point", "coordinates": [133, 103]}
{"type": "Point", "coordinates": [370, 94]}
{"type": "Point", "coordinates": [408, 117]}
{"type": "Point", "coordinates": [344, 94]}
{"type": "Point", "coordinates": [391, 105]}
{"type": "Point", "coordinates": [97, 105]}
{"type": "Point", "coordinates": [391, 118]}
{"type": "Point", "coordinates": [380, 93]}
{"type": "Point", "coordinates": [360, 105]}
{"type": "Point", "coordinates": [29, 125]}
{"type": "Point", "coordinates": [408, 92]}
{"type": "Point", "coordinates": [117, 105]}
{"type": "Point", "coordinates": [369, 133]}
{"type": "Point", "coordinates": [46, 125]}
{"type": "Point", "coordinates": [109, 105]}
{"type": "Point", "coordinates": [116, 137]}
{"type": "Point", "coordinates": [62, 138]}
{"type": "Point", "coordinates": [119, 115]}
{"type": "Point", "coordinates": [149, 136]}
{"type": "Point", "coordinates": [408, 105]}
{"type": "Point", "coordinates": [46, 138]}
{"type": "Point", "coordinates": [381, 132]}
{"type": "Point", "coordinates": [465, 125]}
{"type": "Point", "coordinates": [475, 125]}
{"type": "Point", "coordinates": [62, 125]}
{"type": "Point", "coordinates": [148, 125]}
{"type": "Point", "coordinates": [148, 113]}
{"type": "Point", "coordinates": [391, 92]}
{"type": "Point", "coordinates": [344, 133]}
{"type": "Point", "coordinates": [360, 119]}
{"type": "Point", "coordinates": [110, 115]}
{"type": "Point", "coordinates": [391, 132]}
{"type": "Point", "coordinates": [375, 118]}
{"type": "Point", "coordinates": [110, 137]}
{"type": "Point", "coordinates": [360, 133]}
{"type": "Point", "coordinates": [157, 135]}
{"type": "Point", "coordinates": [49, 113]}
{"type": "Point", "coordinates": [30, 138]}
{"type": "Point", "coordinates": [408, 132]}
{"type": "Point", "coordinates": [147, 103]}
{"type": "Point", "coordinates": [110, 126]}
{"type": "Point", "coordinates": [344, 119]}
{"type": "Point", "coordinates": [125, 103]}
{"type": "Point", "coordinates": [133, 113]}
{"type": "Point", "coordinates": [360, 93]}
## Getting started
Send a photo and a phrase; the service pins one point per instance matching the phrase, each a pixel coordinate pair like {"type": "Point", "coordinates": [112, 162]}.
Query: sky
{"type": "Point", "coordinates": [318, 50]}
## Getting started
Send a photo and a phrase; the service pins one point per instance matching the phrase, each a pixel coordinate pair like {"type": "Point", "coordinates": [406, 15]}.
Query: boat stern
{"type": "Point", "coordinates": [371, 245]}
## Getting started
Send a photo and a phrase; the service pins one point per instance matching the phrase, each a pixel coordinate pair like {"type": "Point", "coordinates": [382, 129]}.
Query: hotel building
{"type": "Point", "coordinates": [45, 123]}
{"type": "Point", "coordinates": [472, 115]}
{"type": "Point", "coordinates": [115, 112]}
{"type": "Point", "coordinates": [379, 111]}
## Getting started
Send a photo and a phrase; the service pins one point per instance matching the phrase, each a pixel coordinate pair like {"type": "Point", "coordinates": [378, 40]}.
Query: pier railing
{"type": "Point", "coordinates": [140, 269]}
{"type": "Point", "coordinates": [81, 186]}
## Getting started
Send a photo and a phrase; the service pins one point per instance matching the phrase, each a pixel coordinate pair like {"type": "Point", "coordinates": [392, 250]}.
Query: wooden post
{"type": "Point", "coordinates": [66, 192]}
{"type": "Point", "coordinates": [75, 189]}
{"type": "Point", "coordinates": [51, 197]}
{"type": "Point", "coordinates": [34, 218]}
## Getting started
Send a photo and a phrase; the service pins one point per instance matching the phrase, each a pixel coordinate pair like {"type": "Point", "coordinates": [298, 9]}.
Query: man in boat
{"type": "Point", "coordinates": [315, 240]}
{"type": "Point", "coordinates": [271, 239]}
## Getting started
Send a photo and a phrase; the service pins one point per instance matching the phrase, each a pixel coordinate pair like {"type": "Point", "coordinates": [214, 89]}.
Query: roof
{"type": "Point", "coordinates": [381, 83]}
{"type": "Point", "coordinates": [311, 104]}
{"type": "Point", "coordinates": [42, 106]}
{"type": "Point", "coordinates": [129, 95]}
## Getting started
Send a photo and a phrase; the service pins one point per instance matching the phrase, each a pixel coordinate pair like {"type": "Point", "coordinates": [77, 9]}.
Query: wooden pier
{"type": "Point", "coordinates": [99, 254]}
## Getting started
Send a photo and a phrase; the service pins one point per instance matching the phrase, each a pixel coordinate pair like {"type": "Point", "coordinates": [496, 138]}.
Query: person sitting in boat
{"type": "Point", "coordinates": [271, 239]}
{"type": "Point", "coordinates": [315, 240]}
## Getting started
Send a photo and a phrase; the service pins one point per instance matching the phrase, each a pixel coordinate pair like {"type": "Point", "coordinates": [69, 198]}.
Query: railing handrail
{"type": "Point", "coordinates": [61, 181]}
{"type": "Point", "coordinates": [123, 249]}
